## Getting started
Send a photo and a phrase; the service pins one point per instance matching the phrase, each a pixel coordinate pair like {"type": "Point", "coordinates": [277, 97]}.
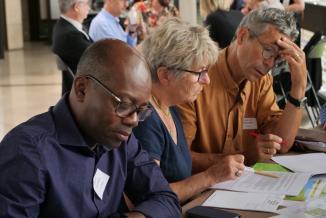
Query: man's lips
{"type": "Point", "coordinates": [123, 135]}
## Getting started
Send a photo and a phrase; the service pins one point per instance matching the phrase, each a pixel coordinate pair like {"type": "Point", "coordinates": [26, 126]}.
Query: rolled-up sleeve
{"type": "Point", "coordinates": [147, 187]}
{"type": "Point", "coordinates": [22, 180]}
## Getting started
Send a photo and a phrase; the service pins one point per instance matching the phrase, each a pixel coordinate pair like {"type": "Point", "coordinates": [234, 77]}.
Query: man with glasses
{"type": "Point", "coordinates": [69, 38]}
{"type": "Point", "coordinates": [80, 158]}
{"type": "Point", "coordinates": [237, 112]}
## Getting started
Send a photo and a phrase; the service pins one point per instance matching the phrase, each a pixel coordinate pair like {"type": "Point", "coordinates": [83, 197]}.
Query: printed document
{"type": "Point", "coordinates": [244, 201]}
{"type": "Point", "coordinates": [313, 163]}
{"type": "Point", "coordinates": [287, 184]}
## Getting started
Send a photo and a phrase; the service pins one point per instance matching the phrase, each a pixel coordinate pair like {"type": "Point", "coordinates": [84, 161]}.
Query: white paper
{"type": "Point", "coordinates": [287, 184]}
{"type": "Point", "coordinates": [314, 163]}
{"type": "Point", "coordinates": [244, 201]}
{"type": "Point", "coordinates": [100, 180]}
{"type": "Point", "coordinates": [315, 208]}
{"type": "Point", "coordinates": [312, 145]}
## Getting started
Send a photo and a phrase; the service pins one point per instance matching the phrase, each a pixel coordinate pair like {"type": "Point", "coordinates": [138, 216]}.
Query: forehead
{"type": "Point", "coordinates": [270, 36]}
{"type": "Point", "coordinates": [131, 80]}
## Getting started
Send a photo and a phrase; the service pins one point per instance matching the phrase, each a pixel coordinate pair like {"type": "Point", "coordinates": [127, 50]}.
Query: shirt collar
{"type": "Point", "coordinates": [66, 126]}
{"type": "Point", "coordinates": [73, 22]}
{"type": "Point", "coordinates": [109, 16]}
{"type": "Point", "coordinates": [230, 84]}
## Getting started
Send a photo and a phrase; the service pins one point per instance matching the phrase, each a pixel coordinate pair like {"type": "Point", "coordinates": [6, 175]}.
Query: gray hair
{"type": "Point", "coordinates": [257, 21]}
{"type": "Point", "coordinates": [177, 44]}
{"type": "Point", "coordinates": [65, 5]}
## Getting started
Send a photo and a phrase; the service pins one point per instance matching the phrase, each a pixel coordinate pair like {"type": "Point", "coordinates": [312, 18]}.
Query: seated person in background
{"type": "Point", "coordinates": [154, 13]}
{"type": "Point", "coordinates": [221, 21]}
{"type": "Point", "coordinates": [106, 24]}
{"type": "Point", "coordinates": [69, 40]}
{"type": "Point", "coordinates": [77, 159]}
{"type": "Point", "coordinates": [256, 4]}
{"type": "Point", "coordinates": [240, 98]}
{"type": "Point", "coordinates": [178, 55]}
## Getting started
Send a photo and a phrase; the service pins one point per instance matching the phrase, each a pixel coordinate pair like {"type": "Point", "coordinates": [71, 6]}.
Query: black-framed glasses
{"type": "Point", "coordinates": [201, 74]}
{"type": "Point", "coordinates": [124, 109]}
{"type": "Point", "coordinates": [268, 52]}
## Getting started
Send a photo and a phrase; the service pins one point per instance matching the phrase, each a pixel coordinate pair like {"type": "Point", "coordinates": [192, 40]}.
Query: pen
{"type": "Point", "coordinates": [266, 174]}
{"type": "Point", "coordinates": [262, 173]}
{"type": "Point", "coordinates": [255, 135]}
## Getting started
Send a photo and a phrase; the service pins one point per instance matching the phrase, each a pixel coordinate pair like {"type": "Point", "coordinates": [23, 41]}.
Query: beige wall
{"type": "Point", "coordinates": [188, 10]}
{"type": "Point", "coordinates": [14, 24]}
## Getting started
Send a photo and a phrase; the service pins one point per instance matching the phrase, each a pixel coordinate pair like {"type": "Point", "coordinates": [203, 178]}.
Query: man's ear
{"type": "Point", "coordinates": [76, 7]}
{"type": "Point", "coordinates": [242, 35]}
{"type": "Point", "coordinates": [163, 75]}
{"type": "Point", "coordinates": [80, 87]}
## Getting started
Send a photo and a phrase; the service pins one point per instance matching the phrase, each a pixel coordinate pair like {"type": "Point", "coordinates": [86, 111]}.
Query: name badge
{"type": "Point", "coordinates": [249, 123]}
{"type": "Point", "coordinates": [100, 180]}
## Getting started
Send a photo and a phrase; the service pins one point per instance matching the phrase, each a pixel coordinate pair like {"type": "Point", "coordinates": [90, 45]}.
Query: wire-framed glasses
{"type": "Point", "coordinates": [124, 109]}
{"type": "Point", "coordinates": [268, 52]}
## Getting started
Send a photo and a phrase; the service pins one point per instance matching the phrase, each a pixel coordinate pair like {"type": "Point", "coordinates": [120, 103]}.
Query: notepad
{"type": "Point", "coordinates": [244, 201]}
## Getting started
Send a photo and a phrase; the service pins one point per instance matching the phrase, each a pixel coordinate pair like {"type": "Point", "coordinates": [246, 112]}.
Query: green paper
{"type": "Point", "coordinates": [278, 168]}
{"type": "Point", "coordinates": [269, 167]}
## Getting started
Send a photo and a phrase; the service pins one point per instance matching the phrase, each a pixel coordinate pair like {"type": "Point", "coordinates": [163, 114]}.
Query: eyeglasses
{"type": "Point", "coordinates": [124, 109]}
{"type": "Point", "coordinates": [201, 74]}
{"type": "Point", "coordinates": [268, 52]}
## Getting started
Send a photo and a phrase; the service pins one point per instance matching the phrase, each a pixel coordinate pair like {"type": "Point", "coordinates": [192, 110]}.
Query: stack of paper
{"type": "Point", "coordinates": [287, 183]}
{"type": "Point", "coordinates": [244, 201]}
{"type": "Point", "coordinates": [310, 163]}
{"type": "Point", "coordinates": [252, 191]}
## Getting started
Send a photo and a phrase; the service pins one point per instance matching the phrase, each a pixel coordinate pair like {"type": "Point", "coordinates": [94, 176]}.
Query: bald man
{"type": "Point", "coordinates": [77, 159]}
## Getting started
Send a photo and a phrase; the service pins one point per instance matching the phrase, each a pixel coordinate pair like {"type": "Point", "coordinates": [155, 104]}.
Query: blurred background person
{"type": "Point", "coordinates": [69, 38]}
{"type": "Point", "coordinates": [255, 4]}
{"type": "Point", "coordinates": [106, 24]}
{"type": "Point", "coordinates": [221, 21]}
{"type": "Point", "coordinates": [179, 55]}
{"type": "Point", "coordinates": [154, 13]}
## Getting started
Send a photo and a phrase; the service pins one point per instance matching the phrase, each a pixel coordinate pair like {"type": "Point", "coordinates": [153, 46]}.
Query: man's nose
{"type": "Point", "coordinates": [270, 62]}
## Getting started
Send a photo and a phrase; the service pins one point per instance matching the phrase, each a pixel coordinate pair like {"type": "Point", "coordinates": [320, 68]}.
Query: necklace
{"type": "Point", "coordinates": [159, 105]}
{"type": "Point", "coordinates": [167, 118]}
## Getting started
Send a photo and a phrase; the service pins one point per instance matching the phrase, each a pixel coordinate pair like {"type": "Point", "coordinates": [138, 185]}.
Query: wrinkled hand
{"type": "Point", "coordinates": [297, 62]}
{"type": "Point", "coordinates": [267, 146]}
{"type": "Point", "coordinates": [227, 168]}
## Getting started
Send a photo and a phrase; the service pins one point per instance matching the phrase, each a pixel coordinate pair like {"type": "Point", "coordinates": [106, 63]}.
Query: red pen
{"type": "Point", "coordinates": [255, 135]}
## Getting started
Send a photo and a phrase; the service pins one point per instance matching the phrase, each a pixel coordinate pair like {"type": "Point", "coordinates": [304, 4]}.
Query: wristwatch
{"type": "Point", "coordinates": [300, 103]}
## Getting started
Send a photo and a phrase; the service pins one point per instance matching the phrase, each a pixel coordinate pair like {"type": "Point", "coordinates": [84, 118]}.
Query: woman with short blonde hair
{"type": "Point", "coordinates": [179, 55]}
